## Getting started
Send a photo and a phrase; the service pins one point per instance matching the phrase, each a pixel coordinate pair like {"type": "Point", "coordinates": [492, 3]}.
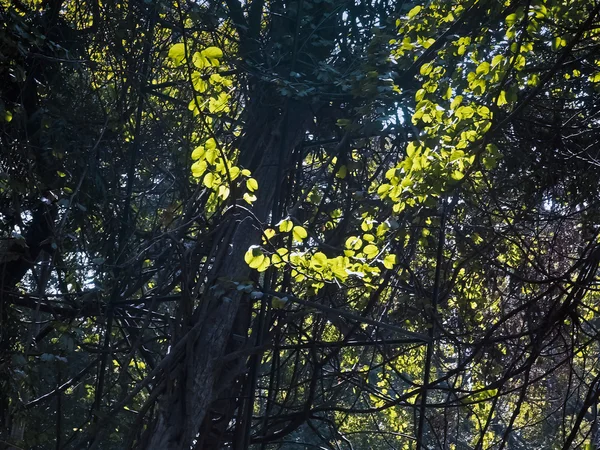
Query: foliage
{"type": "Point", "coordinates": [299, 223]}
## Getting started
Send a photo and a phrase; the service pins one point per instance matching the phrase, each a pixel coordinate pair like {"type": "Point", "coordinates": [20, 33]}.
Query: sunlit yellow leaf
{"type": "Point", "coordinates": [353, 243]}
{"type": "Point", "coordinates": [223, 192]}
{"type": "Point", "coordinates": [177, 53]}
{"type": "Point", "coordinates": [286, 225]}
{"type": "Point", "coordinates": [264, 265]}
{"type": "Point", "coordinates": [318, 261]}
{"type": "Point", "coordinates": [234, 172]}
{"type": "Point", "coordinates": [212, 52]}
{"type": "Point", "coordinates": [211, 155]}
{"type": "Point", "coordinates": [249, 198]}
{"type": "Point", "coordinates": [209, 180]}
{"type": "Point", "coordinates": [252, 184]}
{"type": "Point", "coordinates": [198, 168]}
{"type": "Point", "coordinates": [389, 261]}
{"type": "Point", "coordinates": [199, 84]}
{"type": "Point", "coordinates": [299, 233]}
{"type": "Point", "coordinates": [370, 251]}
{"type": "Point", "coordinates": [200, 61]}
{"type": "Point", "coordinates": [254, 257]}
{"type": "Point", "coordinates": [413, 12]}
{"type": "Point", "coordinates": [268, 234]}
{"type": "Point", "coordinates": [198, 153]}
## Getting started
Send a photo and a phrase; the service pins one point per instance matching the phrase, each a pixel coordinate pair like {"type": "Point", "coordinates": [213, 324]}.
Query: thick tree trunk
{"type": "Point", "coordinates": [270, 136]}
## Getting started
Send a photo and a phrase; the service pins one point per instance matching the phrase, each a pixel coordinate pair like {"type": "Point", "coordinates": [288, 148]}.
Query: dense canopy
{"type": "Point", "coordinates": [297, 224]}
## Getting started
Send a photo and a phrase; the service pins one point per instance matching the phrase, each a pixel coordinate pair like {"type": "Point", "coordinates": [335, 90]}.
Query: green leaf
{"type": "Point", "coordinates": [279, 303]}
{"type": "Point", "coordinates": [342, 172]}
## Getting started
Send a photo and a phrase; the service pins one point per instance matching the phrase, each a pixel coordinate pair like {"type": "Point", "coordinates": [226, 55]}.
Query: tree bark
{"type": "Point", "coordinates": [266, 149]}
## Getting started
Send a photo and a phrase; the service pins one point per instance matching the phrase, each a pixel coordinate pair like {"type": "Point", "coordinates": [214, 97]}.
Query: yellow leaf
{"type": "Point", "coordinates": [366, 225]}
{"type": "Point", "coordinates": [281, 256]}
{"type": "Point", "coordinates": [198, 168]}
{"type": "Point", "coordinates": [502, 98]}
{"type": "Point", "coordinates": [211, 155]}
{"type": "Point", "coordinates": [200, 61]}
{"type": "Point", "coordinates": [456, 102]}
{"type": "Point", "coordinates": [218, 104]}
{"type": "Point", "coordinates": [177, 53]}
{"type": "Point", "coordinates": [199, 84]}
{"type": "Point", "coordinates": [382, 228]}
{"type": "Point", "coordinates": [210, 144]}
{"type": "Point", "coordinates": [212, 52]}
{"type": "Point", "coordinates": [266, 262]}
{"type": "Point", "coordinates": [254, 257]}
{"type": "Point", "coordinates": [223, 192]}
{"type": "Point", "coordinates": [353, 243]}
{"type": "Point", "coordinates": [370, 251]}
{"type": "Point", "coordinates": [413, 12]}
{"type": "Point", "coordinates": [209, 180]}
{"type": "Point", "coordinates": [318, 261]}
{"type": "Point", "coordinates": [483, 68]}
{"type": "Point", "coordinates": [252, 184]}
{"type": "Point", "coordinates": [249, 198]}
{"type": "Point", "coordinates": [299, 233]}
{"type": "Point", "coordinates": [389, 261]}
{"type": "Point", "coordinates": [268, 234]}
{"type": "Point", "coordinates": [285, 225]}
{"type": "Point", "coordinates": [458, 175]}
{"type": "Point", "coordinates": [198, 153]}
{"type": "Point", "coordinates": [234, 172]}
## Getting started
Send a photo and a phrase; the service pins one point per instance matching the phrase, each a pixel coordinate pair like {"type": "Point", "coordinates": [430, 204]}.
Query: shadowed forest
{"type": "Point", "coordinates": [299, 224]}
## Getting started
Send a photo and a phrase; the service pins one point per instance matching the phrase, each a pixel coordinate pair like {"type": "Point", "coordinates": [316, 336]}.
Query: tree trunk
{"type": "Point", "coordinates": [271, 134]}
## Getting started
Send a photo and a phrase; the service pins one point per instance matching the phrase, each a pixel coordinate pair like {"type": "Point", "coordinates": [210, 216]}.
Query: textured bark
{"type": "Point", "coordinates": [266, 150]}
